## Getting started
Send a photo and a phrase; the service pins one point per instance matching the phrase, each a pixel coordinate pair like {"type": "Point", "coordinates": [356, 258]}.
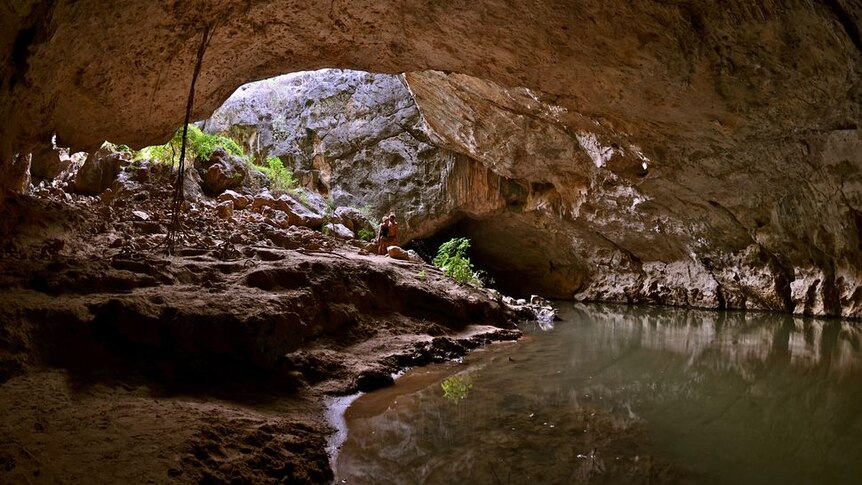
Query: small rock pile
{"type": "Point", "coordinates": [537, 309]}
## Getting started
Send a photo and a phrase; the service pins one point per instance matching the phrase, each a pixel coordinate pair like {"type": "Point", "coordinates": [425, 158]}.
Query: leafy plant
{"type": "Point", "coordinates": [422, 274]}
{"type": "Point", "coordinates": [452, 259]}
{"type": "Point", "coordinates": [366, 234]}
{"type": "Point", "coordinates": [456, 388]}
{"type": "Point", "coordinates": [281, 176]}
{"type": "Point", "coordinates": [200, 145]}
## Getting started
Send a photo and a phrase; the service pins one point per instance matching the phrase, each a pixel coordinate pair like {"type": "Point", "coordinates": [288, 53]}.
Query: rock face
{"type": "Point", "coordinates": [15, 175]}
{"type": "Point", "coordinates": [48, 164]}
{"type": "Point", "coordinates": [355, 136]}
{"type": "Point", "coordinates": [735, 230]}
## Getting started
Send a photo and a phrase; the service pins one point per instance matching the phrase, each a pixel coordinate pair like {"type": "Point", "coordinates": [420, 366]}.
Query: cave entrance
{"type": "Point", "coordinates": [361, 139]}
{"type": "Point", "coordinates": [521, 259]}
{"type": "Point", "coordinates": [342, 139]}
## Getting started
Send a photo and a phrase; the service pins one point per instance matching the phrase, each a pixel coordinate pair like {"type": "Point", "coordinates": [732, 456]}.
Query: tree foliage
{"type": "Point", "coordinates": [452, 259]}
{"type": "Point", "coordinates": [200, 145]}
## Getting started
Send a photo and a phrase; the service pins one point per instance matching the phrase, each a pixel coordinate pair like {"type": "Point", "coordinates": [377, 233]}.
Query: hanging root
{"type": "Point", "coordinates": [176, 206]}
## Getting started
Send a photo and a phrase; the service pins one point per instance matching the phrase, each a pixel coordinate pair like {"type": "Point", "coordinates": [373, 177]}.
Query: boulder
{"type": "Point", "coordinates": [262, 200]}
{"type": "Point", "coordinates": [225, 209]}
{"type": "Point", "coordinates": [338, 230]}
{"type": "Point", "coordinates": [373, 379]}
{"type": "Point", "coordinates": [223, 171]}
{"type": "Point", "coordinates": [192, 185]}
{"type": "Point", "coordinates": [240, 201]}
{"type": "Point", "coordinates": [396, 252]}
{"type": "Point", "coordinates": [48, 163]}
{"type": "Point", "coordinates": [299, 214]}
{"type": "Point", "coordinates": [353, 218]}
{"type": "Point", "coordinates": [343, 133]}
{"type": "Point", "coordinates": [100, 170]}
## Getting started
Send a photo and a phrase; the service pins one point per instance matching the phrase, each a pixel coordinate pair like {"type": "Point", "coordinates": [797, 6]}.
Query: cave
{"type": "Point", "coordinates": [623, 158]}
{"type": "Point", "coordinates": [669, 159]}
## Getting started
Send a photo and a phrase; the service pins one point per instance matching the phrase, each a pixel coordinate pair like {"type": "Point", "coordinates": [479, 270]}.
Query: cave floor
{"type": "Point", "coordinates": [120, 364]}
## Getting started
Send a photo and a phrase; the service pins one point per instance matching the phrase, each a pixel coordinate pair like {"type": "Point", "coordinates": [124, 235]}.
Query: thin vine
{"type": "Point", "coordinates": [176, 225]}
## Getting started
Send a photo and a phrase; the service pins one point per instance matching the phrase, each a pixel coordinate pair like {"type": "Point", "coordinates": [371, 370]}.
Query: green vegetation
{"type": "Point", "coordinates": [456, 388]}
{"type": "Point", "coordinates": [422, 274]}
{"type": "Point", "coordinates": [281, 176]}
{"type": "Point", "coordinates": [330, 204]}
{"type": "Point", "coordinates": [452, 259]}
{"type": "Point", "coordinates": [200, 145]}
{"type": "Point", "coordinates": [366, 234]}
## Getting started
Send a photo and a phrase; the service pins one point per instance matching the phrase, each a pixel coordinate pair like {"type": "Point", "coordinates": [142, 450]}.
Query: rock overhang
{"type": "Point", "coordinates": [90, 70]}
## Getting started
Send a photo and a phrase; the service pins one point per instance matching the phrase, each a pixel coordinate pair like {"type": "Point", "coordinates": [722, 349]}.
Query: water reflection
{"type": "Point", "coordinates": [730, 340]}
{"type": "Point", "coordinates": [619, 394]}
{"type": "Point", "coordinates": [456, 388]}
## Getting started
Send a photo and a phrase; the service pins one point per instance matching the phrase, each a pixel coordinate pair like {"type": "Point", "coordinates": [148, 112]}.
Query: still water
{"type": "Point", "coordinates": [616, 394]}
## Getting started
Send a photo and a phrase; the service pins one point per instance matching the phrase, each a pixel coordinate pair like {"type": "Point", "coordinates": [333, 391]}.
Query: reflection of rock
{"type": "Point", "coordinates": [739, 341]}
{"type": "Point", "coordinates": [749, 384]}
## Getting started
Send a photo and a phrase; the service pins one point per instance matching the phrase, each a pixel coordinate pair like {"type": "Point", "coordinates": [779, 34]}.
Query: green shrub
{"type": "Point", "coordinates": [282, 178]}
{"type": "Point", "coordinates": [452, 259]}
{"type": "Point", "coordinates": [366, 234]}
{"type": "Point", "coordinates": [200, 145]}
